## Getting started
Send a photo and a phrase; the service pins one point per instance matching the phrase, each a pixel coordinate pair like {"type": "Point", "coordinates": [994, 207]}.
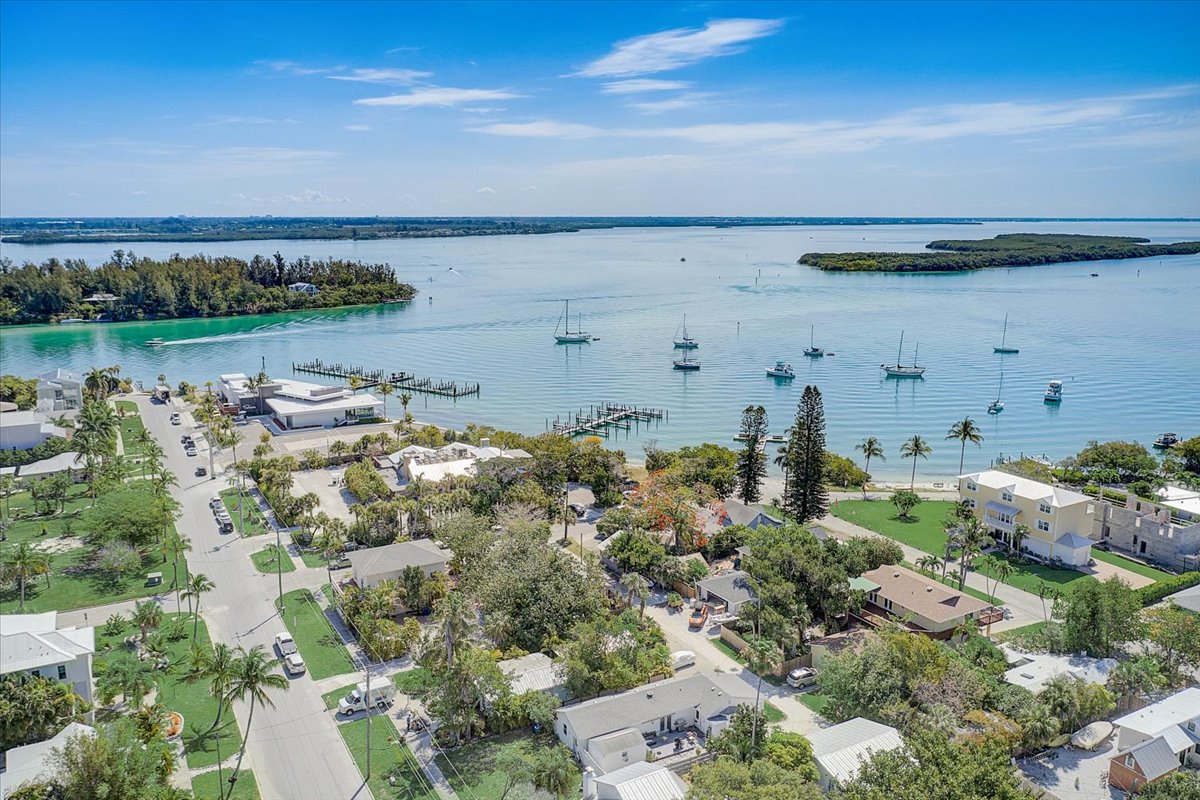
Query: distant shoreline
{"type": "Point", "coordinates": [190, 230]}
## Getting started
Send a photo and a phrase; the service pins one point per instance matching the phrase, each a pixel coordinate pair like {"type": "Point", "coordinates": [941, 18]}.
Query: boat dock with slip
{"type": "Point", "coordinates": [370, 378]}
{"type": "Point", "coordinates": [603, 417]}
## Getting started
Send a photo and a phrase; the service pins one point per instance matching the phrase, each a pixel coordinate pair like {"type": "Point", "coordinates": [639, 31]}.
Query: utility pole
{"type": "Point", "coordinates": [367, 703]}
{"type": "Point", "coordinates": [278, 566]}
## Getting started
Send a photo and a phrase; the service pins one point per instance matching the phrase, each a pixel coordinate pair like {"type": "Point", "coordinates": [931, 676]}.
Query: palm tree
{"type": "Point", "coordinates": [870, 447]}
{"type": "Point", "coordinates": [1039, 725]}
{"type": "Point", "coordinates": [762, 655]}
{"type": "Point", "coordinates": [554, 772]}
{"type": "Point", "coordinates": [455, 621]}
{"type": "Point", "coordinates": [965, 431]}
{"type": "Point", "coordinates": [198, 584]}
{"type": "Point", "coordinates": [97, 382]}
{"type": "Point", "coordinates": [330, 544]}
{"type": "Point", "coordinates": [386, 389]}
{"type": "Point", "coordinates": [929, 563]}
{"type": "Point", "coordinates": [257, 383]}
{"type": "Point", "coordinates": [1044, 591]}
{"type": "Point", "coordinates": [1004, 571]}
{"type": "Point", "coordinates": [175, 544]}
{"type": "Point", "coordinates": [405, 399]}
{"type": "Point", "coordinates": [253, 677]}
{"type": "Point", "coordinates": [969, 538]}
{"type": "Point", "coordinates": [1019, 534]}
{"type": "Point", "coordinates": [356, 383]}
{"type": "Point", "coordinates": [781, 460]}
{"type": "Point", "coordinates": [147, 615]}
{"type": "Point", "coordinates": [635, 584]}
{"type": "Point", "coordinates": [914, 447]}
{"type": "Point", "coordinates": [127, 676]}
{"type": "Point", "coordinates": [22, 563]}
{"type": "Point", "coordinates": [1134, 679]}
{"type": "Point", "coordinates": [986, 565]}
{"type": "Point", "coordinates": [214, 664]}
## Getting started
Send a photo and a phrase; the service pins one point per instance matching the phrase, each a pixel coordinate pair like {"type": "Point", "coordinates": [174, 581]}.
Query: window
{"type": "Point", "coordinates": [1043, 525]}
{"type": "Point", "coordinates": [1129, 761]}
{"type": "Point", "coordinates": [887, 603]}
{"type": "Point", "coordinates": [1191, 727]}
{"type": "Point", "coordinates": [1006, 496]}
{"type": "Point", "coordinates": [972, 486]}
{"type": "Point", "coordinates": [1044, 508]}
{"type": "Point", "coordinates": [62, 672]}
{"type": "Point", "coordinates": [971, 502]}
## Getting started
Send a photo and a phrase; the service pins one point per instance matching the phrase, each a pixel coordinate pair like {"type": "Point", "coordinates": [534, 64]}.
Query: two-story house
{"type": "Point", "coordinates": [1060, 521]}
{"type": "Point", "coordinates": [1157, 740]}
{"type": "Point", "coordinates": [1162, 532]}
{"type": "Point", "coordinates": [34, 644]}
{"type": "Point", "coordinates": [59, 390]}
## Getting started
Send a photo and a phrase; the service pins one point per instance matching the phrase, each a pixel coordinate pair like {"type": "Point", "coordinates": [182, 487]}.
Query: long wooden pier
{"type": "Point", "coordinates": [601, 418]}
{"type": "Point", "coordinates": [371, 378]}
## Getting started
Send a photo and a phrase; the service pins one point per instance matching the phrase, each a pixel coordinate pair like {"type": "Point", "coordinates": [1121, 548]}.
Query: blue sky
{"type": "Point", "coordinates": [989, 109]}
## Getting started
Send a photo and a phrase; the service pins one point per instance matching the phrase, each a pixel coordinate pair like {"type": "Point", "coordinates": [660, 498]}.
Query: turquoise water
{"type": "Point", "coordinates": [1126, 344]}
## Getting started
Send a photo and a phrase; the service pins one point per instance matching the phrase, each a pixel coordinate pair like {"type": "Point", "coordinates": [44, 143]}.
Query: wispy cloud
{"type": "Point", "coordinates": [356, 128]}
{"type": "Point", "coordinates": [305, 197]}
{"type": "Point", "coordinates": [275, 155]}
{"type": "Point", "coordinates": [368, 75]}
{"type": "Point", "coordinates": [687, 100]}
{"type": "Point", "coordinates": [293, 67]}
{"type": "Point", "coordinates": [485, 190]}
{"type": "Point", "coordinates": [639, 85]}
{"type": "Point", "coordinates": [659, 52]}
{"type": "Point", "coordinates": [139, 193]}
{"type": "Point", "coordinates": [235, 120]}
{"type": "Point", "coordinates": [542, 129]}
{"type": "Point", "coordinates": [443, 96]}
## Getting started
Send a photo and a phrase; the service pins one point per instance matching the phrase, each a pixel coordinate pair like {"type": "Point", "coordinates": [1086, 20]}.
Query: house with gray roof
{"type": "Point", "coordinates": [840, 750]}
{"type": "Point", "coordinates": [34, 644]}
{"type": "Point", "coordinates": [29, 763]}
{"type": "Point", "coordinates": [731, 588]}
{"type": "Point", "coordinates": [377, 564]}
{"type": "Point", "coordinates": [1156, 740]}
{"type": "Point", "coordinates": [535, 672]}
{"type": "Point", "coordinates": [608, 733]}
{"type": "Point", "coordinates": [637, 781]}
{"type": "Point", "coordinates": [59, 390]}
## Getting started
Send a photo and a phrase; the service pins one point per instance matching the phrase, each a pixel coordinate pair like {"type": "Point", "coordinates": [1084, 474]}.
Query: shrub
{"type": "Point", "coordinates": [841, 471]}
{"type": "Point", "coordinates": [1149, 595]}
{"type": "Point", "coordinates": [365, 483]}
{"type": "Point", "coordinates": [115, 625]}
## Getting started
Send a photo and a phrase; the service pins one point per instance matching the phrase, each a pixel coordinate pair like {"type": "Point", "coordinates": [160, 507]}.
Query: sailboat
{"type": "Point", "coordinates": [577, 336]}
{"type": "Point", "coordinates": [1002, 347]}
{"type": "Point", "coordinates": [685, 342]}
{"type": "Point", "coordinates": [686, 363]}
{"type": "Point", "coordinates": [898, 370]}
{"type": "Point", "coordinates": [813, 351]}
{"type": "Point", "coordinates": [997, 405]}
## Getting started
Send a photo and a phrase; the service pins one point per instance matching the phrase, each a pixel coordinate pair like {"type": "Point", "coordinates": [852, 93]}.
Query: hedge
{"type": "Point", "coordinates": [365, 482]}
{"type": "Point", "coordinates": [1151, 594]}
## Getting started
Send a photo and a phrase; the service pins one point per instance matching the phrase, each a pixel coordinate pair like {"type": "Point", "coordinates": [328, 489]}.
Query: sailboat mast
{"type": "Point", "coordinates": [811, 333]}
{"type": "Point", "coordinates": [567, 315]}
{"type": "Point", "coordinates": [916, 350]}
{"type": "Point", "coordinates": [1004, 335]}
{"type": "Point", "coordinates": [900, 349]}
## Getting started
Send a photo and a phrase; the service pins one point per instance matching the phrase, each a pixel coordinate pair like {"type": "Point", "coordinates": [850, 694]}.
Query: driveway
{"type": "Point", "coordinates": [1070, 774]}
{"type": "Point", "coordinates": [334, 498]}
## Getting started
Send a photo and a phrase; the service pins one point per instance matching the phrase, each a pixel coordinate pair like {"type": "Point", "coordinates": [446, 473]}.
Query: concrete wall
{"type": "Point", "coordinates": [1147, 533]}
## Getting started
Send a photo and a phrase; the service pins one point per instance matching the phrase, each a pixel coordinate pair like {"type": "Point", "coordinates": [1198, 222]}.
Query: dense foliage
{"type": "Point", "coordinates": [365, 483]}
{"type": "Point", "coordinates": [1006, 250]}
{"type": "Point", "coordinates": [191, 286]}
{"type": "Point", "coordinates": [34, 708]}
{"type": "Point", "coordinates": [1148, 595]}
{"type": "Point", "coordinates": [729, 779]}
{"type": "Point", "coordinates": [613, 654]}
{"type": "Point", "coordinates": [22, 391]}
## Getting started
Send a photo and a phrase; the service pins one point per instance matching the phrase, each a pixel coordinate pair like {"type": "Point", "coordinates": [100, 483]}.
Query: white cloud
{"type": "Point", "coordinates": [278, 155]}
{"type": "Point", "coordinates": [542, 129]}
{"type": "Point", "coordinates": [74, 194]}
{"type": "Point", "coordinates": [234, 120]}
{"type": "Point", "coordinates": [367, 75]}
{"type": "Point", "coordinates": [443, 96]}
{"type": "Point", "coordinates": [658, 52]}
{"type": "Point", "coordinates": [485, 190]}
{"type": "Point", "coordinates": [356, 127]}
{"type": "Point", "coordinates": [687, 100]}
{"type": "Point", "coordinates": [139, 193]}
{"type": "Point", "coordinates": [309, 197]}
{"type": "Point", "coordinates": [639, 85]}
{"type": "Point", "coordinates": [294, 67]}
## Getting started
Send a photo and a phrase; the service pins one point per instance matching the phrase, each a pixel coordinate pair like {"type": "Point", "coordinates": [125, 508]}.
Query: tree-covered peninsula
{"type": "Point", "coordinates": [130, 288]}
{"type": "Point", "coordinates": [1005, 250]}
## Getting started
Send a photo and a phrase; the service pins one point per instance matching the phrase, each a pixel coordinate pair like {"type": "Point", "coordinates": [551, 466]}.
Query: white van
{"type": "Point", "coordinates": [682, 658]}
{"type": "Point", "coordinates": [382, 694]}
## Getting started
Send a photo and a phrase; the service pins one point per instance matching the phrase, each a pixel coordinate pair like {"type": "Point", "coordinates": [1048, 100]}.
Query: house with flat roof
{"type": "Point", "coordinates": [1165, 532]}
{"type": "Point", "coordinates": [59, 390]}
{"type": "Point", "coordinates": [927, 606]}
{"type": "Point", "coordinates": [638, 781]}
{"type": "Point", "coordinates": [303, 288]}
{"type": "Point", "coordinates": [1034, 670]}
{"type": "Point", "coordinates": [1155, 741]}
{"type": "Point", "coordinates": [731, 588]}
{"type": "Point", "coordinates": [608, 733]}
{"type": "Point", "coordinates": [452, 460]}
{"type": "Point", "coordinates": [1060, 521]}
{"type": "Point", "coordinates": [839, 751]}
{"type": "Point", "coordinates": [376, 564]}
{"type": "Point", "coordinates": [29, 763]}
{"type": "Point", "coordinates": [34, 644]}
{"type": "Point", "coordinates": [296, 405]}
{"type": "Point", "coordinates": [535, 672]}
{"type": "Point", "coordinates": [25, 430]}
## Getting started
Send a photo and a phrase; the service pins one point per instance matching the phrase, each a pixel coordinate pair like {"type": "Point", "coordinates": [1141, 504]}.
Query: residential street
{"type": "Point", "coordinates": [294, 748]}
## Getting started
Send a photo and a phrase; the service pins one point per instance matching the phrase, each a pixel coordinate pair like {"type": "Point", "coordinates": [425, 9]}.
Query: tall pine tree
{"type": "Point", "coordinates": [806, 496]}
{"type": "Point", "coordinates": [752, 461]}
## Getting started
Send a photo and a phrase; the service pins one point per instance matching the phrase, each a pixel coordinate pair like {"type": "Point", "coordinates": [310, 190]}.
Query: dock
{"type": "Point", "coordinates": [602, 418]}
{"type": "Point", "coordinates": [371, 378]}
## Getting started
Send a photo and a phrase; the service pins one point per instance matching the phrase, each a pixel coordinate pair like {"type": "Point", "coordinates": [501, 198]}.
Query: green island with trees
{"type": "Point", "coordinates": [1005, 250]}
{"type": "Point", "coordinates": [126, 287]}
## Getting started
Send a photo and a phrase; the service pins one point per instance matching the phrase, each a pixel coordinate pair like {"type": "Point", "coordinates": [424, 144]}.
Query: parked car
{"type": "Point", "coordinates": [578, 508]}
{"type": "Point", "coordinates": [225, 525]}
{"type": "Point", "coordinates": [201, 471]}
{"type": "Point", "coordinates": [801, 677]}
{"type": "Point", "coordinates": [190, 450]}
{"type": "Point", "coordinates": [382, 694]}
{"type": "Point", "coordinates": [215, 503]}
{"type": "Point", "coordinates": [285, 643]}
{"type": "Point", "coordinates": [683, 658]}
{"type": "Point", "coordinates": [294, 664]}
{"type": "Point", "coordinates": [699, 616]}
{"type": "Point", "coordinates": [185, 439]}
{"type": "Point", "coordinates": [342, 561]}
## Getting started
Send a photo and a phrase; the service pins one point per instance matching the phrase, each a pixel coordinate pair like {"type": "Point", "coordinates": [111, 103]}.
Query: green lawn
{"type": "Point", "coordinates": [390, 757]}
{"type": "Point", "coordinates": [131, 428]}
{"type": "Point", "coordinates": [773, 714]}
{"type": "Point", "coordinates": [272, 559]}
{"type": "Point", "coordinates": [319, 645]}
{"type": "Point", "coordinates": [1030, 576]}
{"type": "Point", "coordinates": [1015, 633]}
{"type": "Point", "coordinates": [128, 406]}
{"type": "Point", "coordinates": [73, 584]}
{"type": "Point", "coordinates": [204, 786]}
{"type": "Point", "coordinates": [923, 529]}
{"type": "Point", "coordinates": [312, 559]}
{"type": "Point", "coordinates": [252, 523]}
{"type": "Point", "coordinates": [1129, 564]}
{"type": "Point", "coordinates": [414, 682]}
{"type": "Point", "coordinates": [472, 770]}
{"type": "Point", "coordinates": [813, 699]}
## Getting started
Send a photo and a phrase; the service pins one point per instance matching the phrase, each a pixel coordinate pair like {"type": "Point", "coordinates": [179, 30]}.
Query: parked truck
{"type": "Point", "coordinates": [382, 694]}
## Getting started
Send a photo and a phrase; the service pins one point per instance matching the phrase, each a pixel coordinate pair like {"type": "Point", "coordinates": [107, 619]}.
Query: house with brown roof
{"type": "Point", "coordinates": [924, 605]}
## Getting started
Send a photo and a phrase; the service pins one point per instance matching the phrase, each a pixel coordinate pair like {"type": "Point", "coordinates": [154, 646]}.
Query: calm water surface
{"type": "Point", "coordinates": [1126, 344]}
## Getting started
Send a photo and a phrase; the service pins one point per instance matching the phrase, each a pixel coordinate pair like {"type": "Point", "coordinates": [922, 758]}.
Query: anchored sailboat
{"type": "Point", "coordinates": [577, 336]}
{"type": "Point", "coordinates": [1003, 348]}
{"type": "Point", "coordinates": [997, 405]}
{"type": "Point", "coordinates": [813, 351]}
{"type": "Point", "coordinates": [685, 342]}
{"type": "Point", "coordinates": [898, 370]}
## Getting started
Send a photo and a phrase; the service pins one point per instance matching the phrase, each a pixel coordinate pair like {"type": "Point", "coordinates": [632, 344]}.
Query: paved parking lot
{"type": "Point", "coordinates": [335, 499]}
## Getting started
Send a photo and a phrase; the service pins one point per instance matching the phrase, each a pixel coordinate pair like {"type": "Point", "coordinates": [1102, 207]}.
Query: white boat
{"type": "Point", "coordinates": [686, 363]}
{"type": "Point", "coordinates": [568, 336]}
{"type": "Point", "coordinates": [813, 351]}
{"type": "Point", "coordinates": [155, 342]}
{"type": "Point", "coordinates": [781, 370]}
{"type": "Point", "coordinates": [997, 405]}
{"type": "Point", "coordinates": [685, 342]}
{"type": "Point", "coordinates": [71, 321]}
{"type": "Point", "coordinates": [1053, 392]}
{"type": "Point", "coordinates": [1166, 441]}
{"type": "Point", "coordinates": [1002, 347]}
{"type": "Point", "coordinates": [898, 370]}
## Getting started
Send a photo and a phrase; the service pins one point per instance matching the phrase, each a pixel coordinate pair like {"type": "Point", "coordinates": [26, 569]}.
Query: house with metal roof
{"type": "Point", "coordinates": [28, 764]}
{"type": "Point", "coordinates": [535, 672]}
{"type": "Point", "coordinates": [34, 644]}
{"type": "Point", "coordinates": [1154, 741]}
{"type": "Point", "coordinates": [637, 781]}
{"type": "Point", "coordinates": [376, 564]}
{"type": "Point", "coordinates": [1034, 670]}
{"type": "Point", "coordinates": [24, 430]}
{"type": "Point", "coordinates": [59, 390]}
{"type": "Point", "coordinates": [840, 750]}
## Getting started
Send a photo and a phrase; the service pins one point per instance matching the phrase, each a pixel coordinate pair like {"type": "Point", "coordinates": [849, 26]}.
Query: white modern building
{"type": "Point", "coordinates": [24, 430]}
{"type": "Point", "coordinates": [1034, 670]}
{"type": "Point", "coordinates": [28, 764]}
{"type": "Point", "coordinates": [296, 405]}
{"type": "Point", "coordinates": [456, 459]}
{"type": "Point", "coordinates": [34, 644]}
{"type": "Point", "coordinates": [59, 390]}
{"type": "Point", "coordinates": [638, 781]}
{"type": "Point", "coordinates": [840, 750]}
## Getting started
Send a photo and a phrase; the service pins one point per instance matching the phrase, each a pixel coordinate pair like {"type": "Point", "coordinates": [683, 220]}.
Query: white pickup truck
{"type": "Point", "coordinates": [285, 643]}
{"type": "Point", "coordinates": [382, 695]}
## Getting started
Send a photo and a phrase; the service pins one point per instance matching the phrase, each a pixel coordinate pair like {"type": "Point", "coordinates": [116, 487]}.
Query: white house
{"type": "Point", "coordinates": [24, 430]}
{"type": "Point", "coordinates": [1155, 741]}
{"type": "Point", "coordinates": [638, 781]}
{"type": "Point", "coordinates": [59, 390]}
{"type": "Point", "coordinates": [455, 459]}
{"type": "Point", "coordinates": [298, 404]}
{"type": "Point", "coordinates": [535, 672]}
{"type": "Point", "coordinates": [34, 644]}
{"type": "Point", "coordinates": [303, 288]}
{"type": "Point", "coordinates": [1034, 670]}
{"type": "Point", "coordinates": [376, 564]}
{"type": "Point", "coordinates": [28, 764]}
{"type": "Point", "coordinates": [608, 733]}
{"type": "Point", "coordinates": [840, 750]}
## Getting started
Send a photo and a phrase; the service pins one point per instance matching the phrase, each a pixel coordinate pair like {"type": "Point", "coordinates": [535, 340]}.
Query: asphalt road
{"type": "Point", "coordinates": [294, 748]}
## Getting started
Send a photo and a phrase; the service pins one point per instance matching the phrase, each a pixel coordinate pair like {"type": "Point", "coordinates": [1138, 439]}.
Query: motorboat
{"type": "Point", "coordinates": [781, 370]}
{"type": "Point", "coordinates": [568, 336]}
{"type": "Point", "coordinates": [812, 351]}
{"type": "Point", "coordinates": [1002, 347]}
{"type": "Point", "coordinates": [155, 342]}
{"type": "Point", "coordinates": [899, 370]}
{"type": "Point", "coordinates": [685, 342]}
{"type": "Point", "coordinates": [1054, 392]}
{"type": "Point", "coordinates": [1166, 441]}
